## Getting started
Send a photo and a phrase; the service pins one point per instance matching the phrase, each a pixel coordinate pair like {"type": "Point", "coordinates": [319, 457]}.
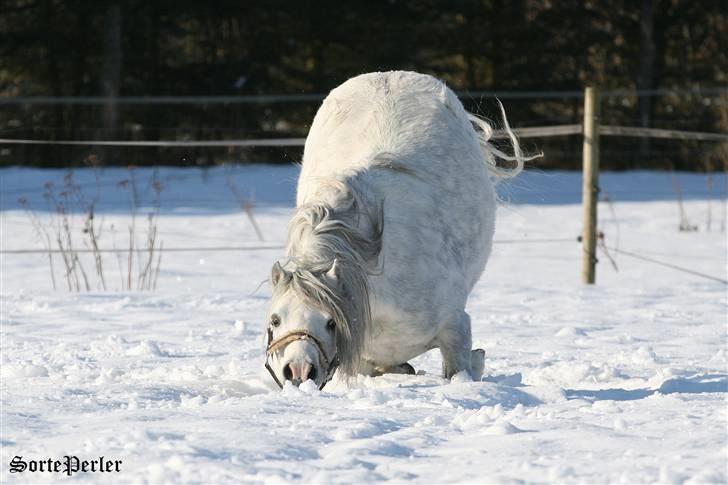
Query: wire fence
{"type": "Point", "coordinates": [643, 256]}
{"type": "Point", "coordinates": [268, 142]}
{"type": "Point", "coordinates": [530, 132]}
{"type": "Point", "coordinates": [280, 247]}
{"type": "Point", "coordinates": [49, 131]}
{"type": "Point", "coordinates": [682, 269]}
{"type": "Point", "coordinates": [534, 132]}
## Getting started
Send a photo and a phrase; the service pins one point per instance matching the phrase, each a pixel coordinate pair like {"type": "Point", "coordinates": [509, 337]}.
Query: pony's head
{"type": "Point", "coordinates": [316, 323]}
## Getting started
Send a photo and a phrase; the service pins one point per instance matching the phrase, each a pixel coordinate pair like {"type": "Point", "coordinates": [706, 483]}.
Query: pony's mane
{"type": "Point", "coordinates": [319, 234]}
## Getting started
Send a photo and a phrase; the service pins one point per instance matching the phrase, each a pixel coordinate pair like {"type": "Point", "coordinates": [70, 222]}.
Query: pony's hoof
{"type": "Point", "coordinates": [408, 369]}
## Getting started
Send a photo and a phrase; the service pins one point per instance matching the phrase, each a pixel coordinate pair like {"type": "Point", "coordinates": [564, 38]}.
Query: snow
{"type": "Point", "coordinates": [625, 381]}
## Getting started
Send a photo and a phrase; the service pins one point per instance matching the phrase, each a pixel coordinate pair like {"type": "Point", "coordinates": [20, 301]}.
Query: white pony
{"type": "Point", "coordinates": [393, 227]}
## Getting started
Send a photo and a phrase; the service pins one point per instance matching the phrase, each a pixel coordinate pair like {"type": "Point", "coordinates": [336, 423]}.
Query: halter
{"type": "Point", "coordinates": [272, 345]}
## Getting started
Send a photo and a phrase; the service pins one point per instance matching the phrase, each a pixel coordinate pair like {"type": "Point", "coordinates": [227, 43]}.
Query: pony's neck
{"type": "Point", "coordinates": [318, 235]}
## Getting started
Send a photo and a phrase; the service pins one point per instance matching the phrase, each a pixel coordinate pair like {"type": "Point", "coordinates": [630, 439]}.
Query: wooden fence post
{"type": "Point", "coordinates": [590, 185]}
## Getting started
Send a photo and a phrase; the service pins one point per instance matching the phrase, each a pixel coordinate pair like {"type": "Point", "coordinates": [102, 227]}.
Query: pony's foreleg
{"type": "Point", "coordinates": [455, 342]}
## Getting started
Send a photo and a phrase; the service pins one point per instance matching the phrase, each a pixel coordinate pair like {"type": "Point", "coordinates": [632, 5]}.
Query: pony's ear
{"type": "Point", "coordinates": [276, 273]}
{"type": "Point", "coordinates": [333, 273]}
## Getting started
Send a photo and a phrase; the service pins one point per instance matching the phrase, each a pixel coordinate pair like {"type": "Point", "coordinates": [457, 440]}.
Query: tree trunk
{"type": "Point", "coordinates": [54, 76]}
{"type": "Point", "coordinates": [111, 73]}
{"type": "Point", "coordinates": [79, 64]}
{"type": "Point", "coordinates": [646, 78]}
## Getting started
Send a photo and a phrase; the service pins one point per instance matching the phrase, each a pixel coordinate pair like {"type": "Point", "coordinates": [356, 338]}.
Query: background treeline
{"type": "Point", "coordinates": [189, 47]}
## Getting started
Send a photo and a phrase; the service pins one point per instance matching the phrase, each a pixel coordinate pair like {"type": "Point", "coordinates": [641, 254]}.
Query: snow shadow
{"type": "Point", "coordinates": [512, 380]}
{"type": "Point", "coordinates": [182, 191]}
{"type": "Point", "coordinates": [699, 384]}
{"type": "Point", "coordinates": [564, 187]}
{"type": "Point", "coordinates": [224, 189]}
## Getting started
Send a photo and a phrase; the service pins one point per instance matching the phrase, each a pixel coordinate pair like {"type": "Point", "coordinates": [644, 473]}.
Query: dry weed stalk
{"type": "Point", "coordinates": [247, 205]}
{"type": "Point", "coordinates": [146, 274]}
{"type": "Point", "coordinates": [41, 232]}
{"type": "Point", "coordinates": [60, 233]}
{"type": "Point", "coordinates": [685, 224]}
{"type": "Point", "coordinates": [146, 270]}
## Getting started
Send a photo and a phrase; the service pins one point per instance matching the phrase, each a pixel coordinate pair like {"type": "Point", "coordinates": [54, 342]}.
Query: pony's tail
{"type": "Point", "coordinates": [491, 154]}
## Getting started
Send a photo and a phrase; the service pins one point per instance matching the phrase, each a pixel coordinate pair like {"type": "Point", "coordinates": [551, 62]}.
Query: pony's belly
{"type": "Point", "coordinates": [396, 343]}
{"type": "Point", "coordinates": [389, 356]}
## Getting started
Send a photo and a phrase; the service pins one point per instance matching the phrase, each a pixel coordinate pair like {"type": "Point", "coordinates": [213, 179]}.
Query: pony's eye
{"type": "Point", "coordinates": [330, 325]}
{"type": "Point", "coordinates": [275, 321]}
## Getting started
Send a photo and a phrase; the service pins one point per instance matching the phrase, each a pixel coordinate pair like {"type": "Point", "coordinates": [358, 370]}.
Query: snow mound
{"type": "Point", "coordinates": [622, 382]}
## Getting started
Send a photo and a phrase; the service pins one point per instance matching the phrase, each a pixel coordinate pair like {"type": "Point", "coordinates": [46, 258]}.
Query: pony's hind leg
{"type": "Point", "coordinates": [455, 342]}
{"type": "Point", "coordinates": [477, 364]}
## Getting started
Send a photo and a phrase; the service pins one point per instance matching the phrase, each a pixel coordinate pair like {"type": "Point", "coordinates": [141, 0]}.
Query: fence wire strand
{"type": "Point", "coordinates": [667, 265]}
{"type": "Point", "coordinates": [262, 247]}
{"type": "Point", "coordinates": [279, 247]}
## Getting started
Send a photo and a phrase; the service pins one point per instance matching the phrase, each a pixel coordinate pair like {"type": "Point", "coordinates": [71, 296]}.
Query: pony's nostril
{"type": "Point", "coordinates": [287, 372]}
{"type": "Point", "coordinates": [299, 371]}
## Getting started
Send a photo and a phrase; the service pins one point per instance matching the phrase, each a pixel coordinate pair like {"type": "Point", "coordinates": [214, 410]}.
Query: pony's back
{"type": "Point", "coordinates": [397, 119]}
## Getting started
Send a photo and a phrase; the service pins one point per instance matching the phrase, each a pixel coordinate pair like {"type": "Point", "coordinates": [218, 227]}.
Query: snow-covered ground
{"type": "Point", "coordinates": [625, 381]}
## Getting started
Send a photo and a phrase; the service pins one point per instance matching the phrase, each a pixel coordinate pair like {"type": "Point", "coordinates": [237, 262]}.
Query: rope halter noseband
{"type": "Point", "coordinates": [330, 365]}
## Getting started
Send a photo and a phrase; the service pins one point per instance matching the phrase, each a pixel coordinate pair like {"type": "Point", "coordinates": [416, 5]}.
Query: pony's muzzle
{"type": "Point", "coordinates": [304, 358]}
{"type": "Point", "coordinates": [299, 371]}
